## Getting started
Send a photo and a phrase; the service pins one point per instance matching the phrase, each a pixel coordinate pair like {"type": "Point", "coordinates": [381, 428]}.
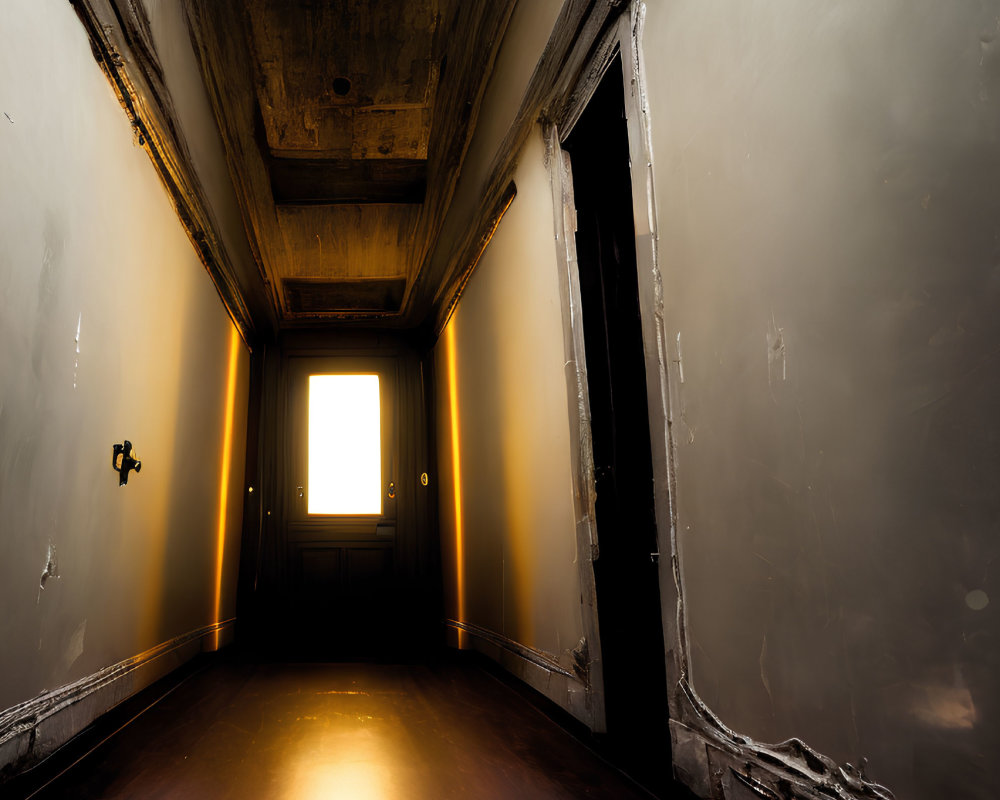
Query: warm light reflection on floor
{"type": "Point", "coordinates": [227, 447]}
{"type": "Point", "coordinates": [456, 466]}
{"type": "Point", "coordinates": [348, 748]}
{"type": "Point", "coordinates": [343, 781]}
{"type": "Point", "coordinates": [354, 731]}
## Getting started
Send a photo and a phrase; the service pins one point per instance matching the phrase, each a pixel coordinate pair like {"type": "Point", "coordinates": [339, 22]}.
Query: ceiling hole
{"type": "Point", "coordinates": [341, 86]}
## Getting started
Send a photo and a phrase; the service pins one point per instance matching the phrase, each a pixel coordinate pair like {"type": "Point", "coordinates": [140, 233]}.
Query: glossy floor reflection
{"type": "Point", "coordinates": [356, 730]}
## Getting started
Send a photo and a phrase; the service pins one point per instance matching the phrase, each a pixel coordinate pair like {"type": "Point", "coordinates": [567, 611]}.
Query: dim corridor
{"type": "Point", "coordinates": [230, 727]}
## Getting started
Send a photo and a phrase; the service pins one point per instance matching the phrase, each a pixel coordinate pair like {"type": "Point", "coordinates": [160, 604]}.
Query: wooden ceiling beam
{"type": "Point", "coordinates": [298, 181]}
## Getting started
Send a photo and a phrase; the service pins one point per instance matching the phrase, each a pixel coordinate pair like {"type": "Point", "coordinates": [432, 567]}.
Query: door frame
{"type": "Point", "coordinates": [623, 39]}
{"type": "Point", "coordinates": [707, 755]}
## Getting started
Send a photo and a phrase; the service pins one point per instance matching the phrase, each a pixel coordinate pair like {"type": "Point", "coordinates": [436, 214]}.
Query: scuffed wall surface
{"type": "Point", "coordinates": [829, 237]}
{"type": "Point", "coordinates": [503, 354]}
{"type": "Point", "coordinates": [111, 328]}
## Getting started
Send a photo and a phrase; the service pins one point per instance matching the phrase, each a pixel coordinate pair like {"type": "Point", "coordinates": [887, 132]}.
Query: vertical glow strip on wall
{"type": "Point", "coordinates": [456, 468]}
{"type": "Point", "coordinates": [227, 457]}
{"type": "Point", "coordinates": [345, 445]}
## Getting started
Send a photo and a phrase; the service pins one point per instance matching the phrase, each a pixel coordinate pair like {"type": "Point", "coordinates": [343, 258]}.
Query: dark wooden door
{"type": "Point", "coordinates": [340, 572]}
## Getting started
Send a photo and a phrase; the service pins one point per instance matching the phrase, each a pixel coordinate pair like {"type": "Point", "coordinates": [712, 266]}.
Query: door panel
{"type": "Point", "coordinates": [314, 564]}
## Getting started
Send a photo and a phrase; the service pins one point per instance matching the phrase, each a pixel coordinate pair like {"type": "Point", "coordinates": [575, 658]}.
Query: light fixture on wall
{"type": "Point", "coordinates": [123, 460]}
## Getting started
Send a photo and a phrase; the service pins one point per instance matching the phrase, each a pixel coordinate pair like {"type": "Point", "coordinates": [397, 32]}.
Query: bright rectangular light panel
{"type": "Point", "coordinates": [345, 445]}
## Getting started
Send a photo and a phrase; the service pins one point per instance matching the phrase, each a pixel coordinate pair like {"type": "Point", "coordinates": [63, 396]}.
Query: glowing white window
{"type": "Point", "coordinates": [345, 445]}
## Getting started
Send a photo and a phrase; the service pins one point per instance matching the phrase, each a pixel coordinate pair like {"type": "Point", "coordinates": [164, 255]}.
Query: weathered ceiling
{"type": "Point", "coordinates": [345, 123]}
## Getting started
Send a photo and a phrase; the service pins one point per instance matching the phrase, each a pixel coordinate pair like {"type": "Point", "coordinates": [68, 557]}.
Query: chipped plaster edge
{"type": "Point", "coordinates": [541, 671]}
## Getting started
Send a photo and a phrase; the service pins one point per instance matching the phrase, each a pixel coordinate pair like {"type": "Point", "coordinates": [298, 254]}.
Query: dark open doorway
{"type": "Point", "coordinates": [628, 596]}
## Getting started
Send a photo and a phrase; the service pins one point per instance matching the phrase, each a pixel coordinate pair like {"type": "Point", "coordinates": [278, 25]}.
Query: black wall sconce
{"type": "Point", "coordinates": [123, 460]}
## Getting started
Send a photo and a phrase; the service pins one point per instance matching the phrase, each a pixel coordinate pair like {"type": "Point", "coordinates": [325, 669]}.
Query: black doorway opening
{"type": "Point", "coordinates": [626, 572]}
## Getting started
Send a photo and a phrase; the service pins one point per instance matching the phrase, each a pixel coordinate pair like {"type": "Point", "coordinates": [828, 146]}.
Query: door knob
{"type": "Point", "coordinates": [392, 490]}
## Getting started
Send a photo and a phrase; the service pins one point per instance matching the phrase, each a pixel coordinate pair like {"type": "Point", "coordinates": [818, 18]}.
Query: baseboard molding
{"type": "Point", "coordinates": [34, 729]}
{"type": "Point", "coordinates": [541, 671]}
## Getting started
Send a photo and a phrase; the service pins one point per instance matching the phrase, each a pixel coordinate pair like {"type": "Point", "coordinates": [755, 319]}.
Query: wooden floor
{"type": "Point", "coordinates": [238, 729]}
